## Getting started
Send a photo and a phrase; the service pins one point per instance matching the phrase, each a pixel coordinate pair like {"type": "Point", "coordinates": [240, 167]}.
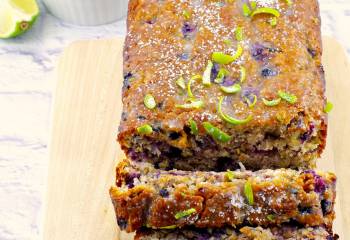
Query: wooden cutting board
{"type": "Point", "coordinates": [83, 150]}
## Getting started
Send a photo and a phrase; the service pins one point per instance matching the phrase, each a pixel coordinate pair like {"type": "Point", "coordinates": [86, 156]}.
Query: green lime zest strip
{"type": "Point", "coordinates": [207, 73]}
{"type": "Point", "coordinates": [145, 129]}
{"type": "Point", "coordinates": [168, 227]}
{"type": "Point", "coordinates": [193, 127]}
{"type": "Point", "coordinates": [253, 4]}
{"type": "Point", "coordinates": [266, 10]}
{"type": "Point", "coordinates": [328, 107]}
{"type": "Point", "coordinates": [273, 21]}
{"type": "Point", "coordinates": [181, 83]}
{"type": "Point", "coordinates": [221, 74]}
{"type": "Point", "coordinates": [287, 97]}
{"type": "Point", "coordinates": [228, 42]}
{"type": "Point", "coordinates": [289, 2]}
{"type": "Point", "coordinates": [271, 103]}
{"type": "Point", "coordinates": [189, 91]}
{"type": "Point", "coordinates": [246, 10]}
{"type": "Point", "coordinates": [248, 192]}
{"type": "Point", "coordinates": [185, 213]}
{"type": "Point", "coordinates": [186, 14]}
{"type": "Point", "coordinates": [243, 74]}
{"type": "Point", "coordinates": [230, 175]}
{"type": "Point", "coordinates": [230, 119]}
{"type": "Point", "coordinates": [235, 88]}
{"type": "Point", "coordinates": [239, 33]}
{"type": "Point", "coordinates": [270, 217]}
{"type": "Point", "coordinates": [194, 104]}
{"type": "Point", "coordinates": [251, 104]}
{"type": "Point", "coordinates": [221, 58]}
{"type": "Point", "coordinates": [216, 133]}
{"type": "Point", "coordinates": [149, 101]}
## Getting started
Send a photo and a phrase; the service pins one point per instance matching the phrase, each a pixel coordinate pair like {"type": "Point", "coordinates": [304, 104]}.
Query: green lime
{"type": "Point", "coordinates": [17, 16]}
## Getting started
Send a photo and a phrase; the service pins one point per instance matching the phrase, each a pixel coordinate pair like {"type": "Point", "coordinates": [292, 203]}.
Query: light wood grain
{"type": "Point", "coordinates": [83, 150]}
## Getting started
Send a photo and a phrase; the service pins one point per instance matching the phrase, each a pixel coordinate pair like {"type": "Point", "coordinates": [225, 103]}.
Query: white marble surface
{"type": "Point", "coordinates": [26, 86]}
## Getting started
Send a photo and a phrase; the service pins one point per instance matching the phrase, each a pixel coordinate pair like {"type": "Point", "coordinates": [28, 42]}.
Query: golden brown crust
{"type": "Point", "coordinates": [285, 57]}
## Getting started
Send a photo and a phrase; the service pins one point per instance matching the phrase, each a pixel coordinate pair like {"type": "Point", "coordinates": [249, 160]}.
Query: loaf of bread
{"type": "Point", "coordinates": [211, 83]}
{"type": "Point", "coordinates": [153, 198]}
{"type": "Point", "coordinates": [285, 232]}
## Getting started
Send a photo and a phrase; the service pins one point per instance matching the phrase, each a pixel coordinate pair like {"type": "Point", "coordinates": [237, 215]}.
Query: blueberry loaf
{"type": "Point", "coordinates": [154, 198]}
{"type": "Point", "coordinates": [211, 83]}
{"type": "Point", "coordinates": [245, 233]}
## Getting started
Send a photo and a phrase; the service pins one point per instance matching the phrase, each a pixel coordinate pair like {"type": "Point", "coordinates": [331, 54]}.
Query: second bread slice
{"type": "Point", "coordinates": [152, 198]}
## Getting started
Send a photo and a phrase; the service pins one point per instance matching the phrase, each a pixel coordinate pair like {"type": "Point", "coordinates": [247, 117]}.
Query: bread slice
{"type": "Point", "coordinates": [153, 198]}
{"type": "Point", "coordinates": [285, 232]}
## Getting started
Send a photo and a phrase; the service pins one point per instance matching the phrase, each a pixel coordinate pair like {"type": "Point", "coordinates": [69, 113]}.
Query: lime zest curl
{"type": "Point", "coordinates": [221, 58]}
{"type": "Point", "coordinates": [185, 213]}
{"type": "Point", "coordinates": [189, 91]}
{"type": "Point", "coordinates": [216, 133]}
{"type": "Point", "coordinates": [193, 127]}
{"type": "Point", "coordinates": [328, 108]}
{"type": "Point", "coordinates": [181, 83]}
{"type": "Point", "coordinates": [271, 103]}
{"type": "Point", "coordinates": [149, 101]}
{"type": "Point", "coordinates": [145, 129]}
{"type": "Point", "coordinates": [248, 192]}
{"type": "Point", "coordinates": [235, 88]}
{"type": "Point", "coordinates": [266, 10]}
{"type": "Point", "coordinates": [207, 74]}
{"type": "Point", "coordinates": [230, 119]}
{"type": "Point", "coordinates": [291, 98]}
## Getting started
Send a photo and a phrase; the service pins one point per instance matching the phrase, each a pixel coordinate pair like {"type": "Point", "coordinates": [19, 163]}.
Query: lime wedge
{"type": "Point", "coordinates": [17, 16]}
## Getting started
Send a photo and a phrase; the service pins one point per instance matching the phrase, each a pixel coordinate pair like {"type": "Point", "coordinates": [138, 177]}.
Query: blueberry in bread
{"type": "Point", "coordinates": [210, 83]}
{"type": "Point", "coordinates": [159, 199]}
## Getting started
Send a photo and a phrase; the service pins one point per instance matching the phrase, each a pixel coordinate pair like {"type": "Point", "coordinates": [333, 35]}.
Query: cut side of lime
{"type": "Point", "coordinates": [17, 16]}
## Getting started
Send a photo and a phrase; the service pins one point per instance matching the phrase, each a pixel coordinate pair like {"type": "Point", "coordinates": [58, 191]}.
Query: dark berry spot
{"type": "Point", "coordinates": [228, 82]}
{"type": "Point", "coordinates": [184, 56]}
{"type": "Point", "coordinates": [124, 116]}
{"type": "Point", "coordinates": [305, 210]}
{"type": "Point", "coordinates": [188, 30]}
{"type": "Point", "coordinates": [126, 82]}
{"type": "Point", "coordinates": [214, 72]}
{"type": "Point", "coordinates": [174, 152]}
{"type": "Point", "coordinates": [187, 130]}
{"type": "Point", "coordinates": [310, 172]}
{"type": "Point", "coordinates": [312, 52]}
{"type": "Point", "coordinates": [321, 69]}
{"type": "Point", "coordinates": [140, 117]}
{"type": "Point", "coordinates": [307, 135]}
{"type": "Point", "coordinates": [157, 127]}
{"type": "Point", "coordinates": [160, 105]}
{"type": "Point", "coordinates": [320, 185]}
{"type": "Point", "coordinates": [163, 192]}
{"type": "Point", "coordinates": [250, 91]}
{"type": "Point", "coordinates": [129, 179]}
{"type": "Point", "coordinates": [128, 76]}
{"type": "Point", "coordinates": [268, 72]}
{"type": "Point", "coordinates": [151, 21]}
{"type": "Point", "coordinates": [174, 135]}
{"type": "Point", "coordinates": [122, 223]}
{"type": "Point", "coordinates": [260, 52]}
{"type": "Point", "coordinates": [326, 206]}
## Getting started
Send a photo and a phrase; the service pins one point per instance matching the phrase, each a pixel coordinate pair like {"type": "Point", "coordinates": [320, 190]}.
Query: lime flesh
{"type": "Point", "coordinates": [17, 16]}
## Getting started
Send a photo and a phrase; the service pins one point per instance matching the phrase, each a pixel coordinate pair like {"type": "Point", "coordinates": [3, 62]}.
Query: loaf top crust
{"type": "Point", "coordinates": [170, 39]}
